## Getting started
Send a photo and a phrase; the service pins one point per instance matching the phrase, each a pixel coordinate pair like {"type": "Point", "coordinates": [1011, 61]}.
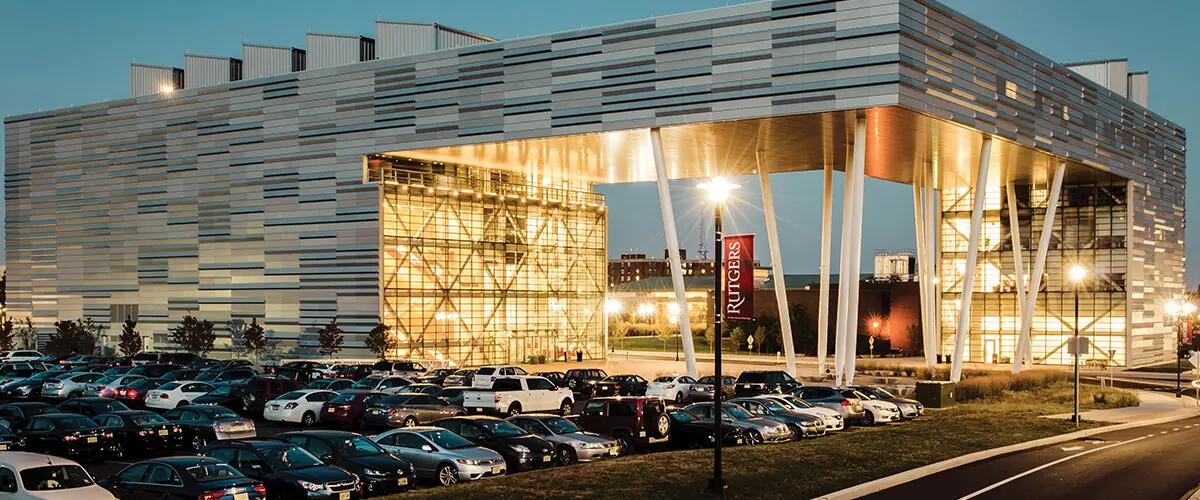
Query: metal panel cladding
{"type": "Point", "coordinates": [327, 51]}
{"type": "Point", "coordinates": [145, 79]}
{"type": "Point", "coordinates": [200, 71]}
{"type": "Point", "coordinates": [268, 60]}
{"type": "Point", "coordinates": [397, 38]}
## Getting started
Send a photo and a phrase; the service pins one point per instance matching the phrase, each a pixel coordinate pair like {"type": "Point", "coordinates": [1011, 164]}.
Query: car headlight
{"type": "Point", "coordinates": [807, 424]}
{"type": "Point", "coordinates": [469, 462]}
{"type": "Point", "coordinates": [311, 486]}
{"type": "Point", "coordinates": [592, 446]}
{"type": "Point", "coordinates": [24, 390]}
{"type": "Point", "coordinates": [373, 472]}
{"type": "Point", "coordinates": [519, 448]}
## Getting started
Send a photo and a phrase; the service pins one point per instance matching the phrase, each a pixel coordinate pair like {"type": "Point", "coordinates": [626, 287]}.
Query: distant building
{"type": "Point", "coordinates": [895, 265]}
{"type": "Point", "coordinates": [636, 266]}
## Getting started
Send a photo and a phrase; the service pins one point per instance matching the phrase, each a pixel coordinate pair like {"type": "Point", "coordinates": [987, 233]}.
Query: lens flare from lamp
{"type": "Point", "coordinates": [1077, 273]}
{"type": "Point", "coordinates": [718, 189]}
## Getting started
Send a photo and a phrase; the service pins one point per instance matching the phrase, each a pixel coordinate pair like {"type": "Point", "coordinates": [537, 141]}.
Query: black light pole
{"type": "Point", "coordinates": [1076, 275]}
{"type": "Point", "coordinates": [717, 483]}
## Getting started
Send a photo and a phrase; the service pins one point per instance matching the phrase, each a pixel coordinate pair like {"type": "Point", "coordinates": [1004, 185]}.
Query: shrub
{"type": "Point", "coordinates": [1108, 397]}
{"type": "Point", "coordinates": [536, 359]}
{"type": "Point", "coordinates": [991, 385]}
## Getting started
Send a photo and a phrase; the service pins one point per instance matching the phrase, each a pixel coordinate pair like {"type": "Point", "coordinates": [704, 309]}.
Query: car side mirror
{"type": "Point", "coordinates": [427, 448]}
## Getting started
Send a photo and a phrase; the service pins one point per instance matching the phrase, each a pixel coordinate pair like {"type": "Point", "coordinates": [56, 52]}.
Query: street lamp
{"type": "Point", "coordinates": [718, 190]}
{"type": "Point", "coordinates": [1179, 310]}
{"type": "Point", "coordinates": [1076, 274]}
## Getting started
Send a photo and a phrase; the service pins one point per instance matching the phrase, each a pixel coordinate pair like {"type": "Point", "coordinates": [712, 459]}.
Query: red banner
{"type": "Point", "coordinates": [739, 276]}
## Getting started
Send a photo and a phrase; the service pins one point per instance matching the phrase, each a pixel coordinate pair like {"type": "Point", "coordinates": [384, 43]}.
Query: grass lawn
{"type": "Point", "coordinates": [1168, 367]}
{"type": "Point", "coordinates": [798, 469]}
{"type": "Point", "coordinates": [647, 343]}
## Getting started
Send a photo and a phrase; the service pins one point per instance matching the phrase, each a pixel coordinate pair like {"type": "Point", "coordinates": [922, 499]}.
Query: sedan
{"type": "Point", "coordinates": [620, 385]}
{"type": "Point", "coordinates": [38, 472]}
{"type": "Point", "coordinates": [909, 408]}
{"type": "Point", "coordinates": [30, 387]}
{"type": "Point", "coordinates": [689, 431]}
{"type": "Point", "coordinates": [520, 449]}
{"type": "Point", "coordinates": [137, 432]}
{"type": "Point", "coordinates": [758, 430]}
{"type": "Point", "coordinates": [65, 434]}
{"type": "Point", "coordinates": [288, 470]}
{"type": "Point", "coordinates": [802, 424]}
{"type": "Point", "coordinates": [573, 444]}
{"type": "Point", "coordinates": [851, 408]}
{"type": "Point", "coordinates": [440, 455]}
{"type": "Point", "coordinates": [670, 387]}
{"type": "Point", "coordinates": [12, 414]}
{"type": "Point", "coordinates": [204, 424]}
{"type": "Point", "coordinates": [106, 386]}
{"type": "Point", "coordinates": [463, 377]}
{"type": "Point", "coordinates": [302, 406]}
{"type": "Point", "coordinates": [408, 410]}
{"type": "Point", "coordinates": [184, 477]}
{"type": "Point", "coordinates": [833, 419]}
{"type": "Point", "coordinates": [134, 394]}
{"type": "Point", "coordinates": [378, 470]}
{"type": "Point", "coordinates": [877, 411]}
{"type": "Point", "coordinates": [331, 384]}
{"type": "Point", "coordinates": [175, 394]}
{"type": "Point", "coordinates": [69, 386]}
{"type": "Point", "coordinates": [702, 390]}
{"type": "Point", "coordinates": [91, 406]}
{"type": "Point", "coordinates": [346, 410]}
{"type": "Point", "coordinates": [436, 376]}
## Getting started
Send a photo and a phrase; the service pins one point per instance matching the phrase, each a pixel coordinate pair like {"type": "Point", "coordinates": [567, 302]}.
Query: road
{"type": "Point", "coordinates": [1147, 463]}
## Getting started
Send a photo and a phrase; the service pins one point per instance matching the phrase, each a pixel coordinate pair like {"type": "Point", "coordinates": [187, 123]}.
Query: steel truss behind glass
{"type": "Point", "coordinates": [487, 267]}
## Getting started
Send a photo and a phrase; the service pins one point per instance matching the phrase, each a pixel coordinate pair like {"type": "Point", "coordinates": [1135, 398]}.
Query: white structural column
{"type": "Point", "coordinates": [785, 323]}
{"type": "Point", "coordinates": [852, 322]}
{"type": "Point", "coordinates": [924, 262]}
{"type": "Point", "coordinates": [844, 256]}
{"type": "Point", "coordinates": [823, 294]}
{"type": "Point", "coordinates": [1014, 230]}
{"type": "Point", "coordinates": [1024, 354]}
{"type": "Point", "coordinates": [933, 219]}
{"type": "Point", "coordinates": [668, 217]}
{"type": "Point", "coordinates": [968, 278]}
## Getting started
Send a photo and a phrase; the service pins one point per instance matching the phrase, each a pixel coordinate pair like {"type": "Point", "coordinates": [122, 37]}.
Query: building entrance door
{"type": "Point", "coordinates": [989, 351]}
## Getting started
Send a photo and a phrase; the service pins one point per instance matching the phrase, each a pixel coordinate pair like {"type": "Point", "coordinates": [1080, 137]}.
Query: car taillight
{"type": "Point", "coordinates": [164, 396]}
{"type": "Point", "coordinates": [670, 386]}
{"type": "Point", "coordinates": [212, 495]}
{"type": "Point", "coordinates": [845, 402]}
{"type": "Point", "coordinates": [218, 427]}
{"type": "Point", "coordinates": [132, 393]}
{"type": "Point", "coordinates": [261, 489]}
{"type": "Point", "coordinates": [291, 406]}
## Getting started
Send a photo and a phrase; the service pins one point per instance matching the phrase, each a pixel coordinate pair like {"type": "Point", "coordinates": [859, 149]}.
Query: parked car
{"type": "Point", "coordinates": [516, 394]}
{"type": "Point", "coordinates": [288, 471]}
{"type": "Point", "coordinates": [755, 382]}
{"type": "Point", "coordinates": [486, 375]}
{"type": "Point", "coordinates": [582, 380]}
{"type": "Point", "coordinates": [226, 375]}
{"type": "Point", "coordinates": [572, 443]}
{"type": "Point", "coordinates": [9, 441]}
{"type": "Point", "coordinates": [91, 406]}
{"type": "Point", "coordinates": [71, 385]}
{"type": "Point", "coordinates": [30, 387]}
{"type": "Point", "coordinates": [175, 394]}
{"type": "Point", "coordinates": [420, 388]}
{"type": "Point", "coordinates": [378, 470]}
{"type": "Point", "coordinates": [205, 424]}
{"type": "Point", "coordinates": [346, 409]}
{"type": "Point", "coordinates": [520, 449]}
{"type": "Point", "coordinates": [909, 408]}
{"type": "Point", "coordinates": [689, 431]}
{"type": "Point", "coordinates": [801, 424]}
{"type": "Point", "coordinates": [299, 374]}
{"type": "Point", "coordinates": [452, 394]}
{"type": "Point", "coordinates": [381, 383]}
{"type": "Point", "coordinates": [635, 422]}
{"type": "Point", "coordinates": [302, 406]}
{"type": "Point", "coordinates": [117, 370]}
{"type": "Point", "coordinates": [178, 374]}
{"type": "Point", "coordinates": [331, 384]}
{"type": "Point", "coordinates": [20, 373]}
{"type": "Point", "coordinates": [184, 477]}
{"type": "Point", "coordinates": [64, 434]}
{"type": "Point", "coordinates": [169, 372]}
{"type": "Point", "coordinates": [833, 419]}
{"type": "Point", "coordinates": [44, 476]}
{"type": "Point", "coordinates": [166, 358]}
{"type": "Point", "coordinates": [436, 376]}
{"type": "Point", "coordinates": [559, 378]}
{"type": "Point", "coordinates": [247, 397]}
{"type": "Point", "coordinates": [134, 394]}
{"type": "Point", "coordinates": [408, 410]}
{"type": "Point", "coordinates": [440, 455]}
{"type": "Point", "coordinates": [137, 432]}
{"type": "Point", "coordinates": [850, 408]}
{"type": "Point", "coordinates": [620, 385]}
{"type": "Point", "coordinates": [877, 411]}
{"type": "Point", "coordinates": [758, 430]}
{"type": "Point", "coordinates": [22, 355]}
{"type": "Point", "coordinates": [79, 360]}
{"type": "Point", "coordinates": [104, 386]}
{"type": "Point", "coordinates": [702, 390]}
{"type": "Point", "coordinates": [670, 387]}
{"type": "Point", "coordinates": [461, 377]}
{"type": "Point", "coordinates": [408, 368]}
{"type": "Point", "coordinates": [12, 414]}
{"type": "Point", "coordinates": [352, 372]}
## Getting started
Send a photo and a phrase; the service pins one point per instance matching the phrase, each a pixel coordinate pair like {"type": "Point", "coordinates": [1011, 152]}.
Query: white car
{"type": "Point", "coordinates": [39, 476]}
{"type": "Point", "coordinates": [485, 375]}
{"type": "Point", "coordinates": [833, 419]}
{"type": "Point", "coordinates": [69, 386]}
{"type": "Point", "coordinates": [381, 383]}
{"type": "Point", "coordinates": [172, 395]}
{"type": "Point", "coordinates": [515, 395]}
{"type": "Point", "coordinates": [302, 406]}
{"type": "Point", "coordinates": [22, 356]}
{"type": "Point", "coordinates": [670, 387]}
{"type": "Point", "coordinates": [878, 411]}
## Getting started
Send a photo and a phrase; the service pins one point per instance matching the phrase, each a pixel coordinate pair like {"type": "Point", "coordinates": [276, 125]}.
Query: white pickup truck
{"type": "Point", "coordinates": [515, 395]}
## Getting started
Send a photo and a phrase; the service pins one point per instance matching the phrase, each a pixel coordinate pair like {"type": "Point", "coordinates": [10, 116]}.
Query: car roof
{"type": "Point", "coordinates": [128, 412]}
{"type": "Point", "coordinates": [473, 417]}
{"type": "Point", "coordinates": [254, 443]}
{"type": "Point", "coordinates": [186, 460]}
{"type": "Point", "coordinates": [320, 433]}
{"type": "Point", "coordinates": [58, 416]}
{"type": "Point", "coordinates": [24, 460]}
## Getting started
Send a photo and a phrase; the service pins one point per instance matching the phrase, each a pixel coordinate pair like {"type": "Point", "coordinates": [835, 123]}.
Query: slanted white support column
{"type": "Point", "coordinates": [844, 257]}
{"type": "Point", "coordinates": [785, 323]}
{"type": "Point", "coordinates": [823, 294]}
{"type": "Point", "coordinates": [853, 322]}
{"type": "Point", "coordinates": [1024, 355]}
{"type": "Point", "coordinates": [933, 235]}
{"type": "Point", "coordinates": [968, 280]}
{"type": "Point", "coordinates": [668, 217]}
{"type": "Point", "coordinates": [1014, 230]}
{"type": "Point", "coordinates": [924, 261]}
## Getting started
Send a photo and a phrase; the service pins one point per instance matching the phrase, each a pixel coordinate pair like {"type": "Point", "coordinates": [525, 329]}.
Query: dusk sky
{"type": "Point", "coordinates": [59, 54]}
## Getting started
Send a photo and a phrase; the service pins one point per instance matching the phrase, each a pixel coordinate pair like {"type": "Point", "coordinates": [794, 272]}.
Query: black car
{"type": "Point", "coordinates": [136, 432]}
{"type": "Point", "coordinates": [91, 406]}
{"type": "Point", "coordinates": [687, 431]}
{"type": "Point", "coordinates": [180, 375]}
{"type": "Point", "coordinates": [521, 449]}
{"type": "Point", "coordinates": [378, 470]}
{"type": "Point", "coordinates": [31, 388]}
{"type": "Point", "coordinates": [582, 380]}
{"type": "Point", "coordinates": [559, 378]}
{"type": "Point", "coordinates": [184, 477]}
{"type": "Point", "coordinates": [12, 414]}
{"type": "Point", "coordinates": [64, 434]}
{"type": "Point", "coordinates": [204, 424]}
{"type": "Point", "coordinates": [756, 382]}
{"type": "Point", "coordinates": [452, 395]}
{"type": "Point", "coordinates": [288, 470]}
{"type": "Point", "coordinates": [247, 397]}
{"type": "Point", "coordinates": [225, 375]}
{"type": "Point", "coordinates": [9, 441]}
{"type": "Point", "coordinates": [155, 371]}
{"type": "Point", "coordinates": [620, 385]}
{"type": "Point", "coordinates": [436, 376]}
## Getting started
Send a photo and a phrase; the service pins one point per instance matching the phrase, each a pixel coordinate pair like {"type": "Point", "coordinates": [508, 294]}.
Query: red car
{"type": "Point", "coordinates": [346, 409]}
{"type": "Point", "coordinates": [134, 394]}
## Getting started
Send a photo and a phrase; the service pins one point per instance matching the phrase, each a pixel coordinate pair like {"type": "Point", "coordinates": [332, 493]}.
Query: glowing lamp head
{"type": "Point", "coordinates": [1172, 307]}
{"type": "Point", "coordinates": [875, 325]}
{"type": "Point", "coordinates": [718, 189]}
{"type": "Point", "coordinates": [612, 306]}
{"type": "Point", "coordinates": [1077, 273]}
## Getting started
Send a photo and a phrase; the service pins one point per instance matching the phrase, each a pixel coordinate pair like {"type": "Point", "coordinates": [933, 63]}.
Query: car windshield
{"type": "Point", "coordinates": [224, 390]}
{"type": "Point", "coordinates": [561, 425]}
{"type": "Point", "coordinates": [219, 412]}
{"type": "Point", "coordinates": [879, 392]}
{"type": "Point", "coordinates": [170, 386]}
{"type": "Point", "coordinates": [344, 398]}
{"type": "Point", "coordinates": [106, 405]}
{"type": "Point", "coordinates": [55, 477]}
{"type": "Point", "coordinates": [106, 380]}
{"type": "Point", "coordinates": [774, 405]}
{"type": "Point", "coordinates": [148, 419]}
{"type": "Point", "coordinates": [290, 396]}
{"type": "Point", "coordinates": [709, 380]}
{"type": "Point", "coordinates": [447, 440]}
{"type": "Point", "coordinates": [735, 412]}
{"type": "Point", "coordinates": [796, 402]}
{"type": "Point", "coordinates": [501, 428]}
{"type": "Point", "coordinates": [75, 423]}
{"type": "Point", "coordinates": [664, 380]}
{"type": "Point", "coordinates": [683, 416]}
{"type": "Point", "coordinates": [212, 472]}
{"type": "Point", "coordinates": [290, 458]}
{"type": "Point", "coordinates": [753, 378]}
{"type": "Point", "coordinates": [368, 383]}
{"type": "Point", "coordinates": [358, 446]}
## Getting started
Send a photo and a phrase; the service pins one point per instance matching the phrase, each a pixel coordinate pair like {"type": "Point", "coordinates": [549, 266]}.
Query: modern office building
{"type": "Point", "coordinates": [637, 266]}
{"type": "Point", "coordinates": [447, 188]}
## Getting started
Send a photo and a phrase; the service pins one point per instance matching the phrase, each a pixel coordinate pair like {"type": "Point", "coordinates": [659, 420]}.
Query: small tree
{"type": "Point", "coordinates": [130, 341]}
{"type": "Point", "coordinates": [93, 329]}
{"type": "Point", "coordinates": [379, 341]}
{"type": "Point", "coordinates": [70, 337]}
{"type": "Point", "coordinates": [254, 339]}
{"type": "Point", "coordinates": [330, 339]}
{"type": "Point", "coordinates": [6, 334]}
{"type": "Point", "coordinates": [27, 334]}
{"type": "Point", "coordinates": [194, 336]}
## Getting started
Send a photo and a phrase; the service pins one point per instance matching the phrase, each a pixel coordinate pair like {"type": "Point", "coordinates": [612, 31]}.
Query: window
{"type": "Point", "coordinates": [223, 454]}
{"type": "Point", "coordinates": [109, 421]}
{"type": "Point", "coordinates": [8, 480]}
{"type": "Point", "coordinates": [452, 425]}
{"type": "Point", "coordinates": [319, 448]}
{"type": "Point", "coordinates": [320, 396]}
{"type": "Point", "coordinates": [594, 408]}
{"type": "Point", "coordinates": [163, 474]}
{"type": "Point", "coordinates": [406, 440]}
{"type": "Point", "coordinates": [40, 424]}
{"type": "Point", "coordinates": [540, 384]}
{"type": "Point", "coordinates": [469, 431]}
{"type": "Point", "coordinates": [248, 459]}
{"type": "Point", "coordinates": [623, 409]}
{"type": "Point", "coordinates": [55, 477]}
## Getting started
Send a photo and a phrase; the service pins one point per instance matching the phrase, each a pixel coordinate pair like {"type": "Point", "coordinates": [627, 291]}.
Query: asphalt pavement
{"type": "Point", "coordinates": [1146, 463]}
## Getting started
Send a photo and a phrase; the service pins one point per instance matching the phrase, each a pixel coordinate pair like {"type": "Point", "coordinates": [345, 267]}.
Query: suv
{"type": "Point", "coordinates": [635, 422]}
{"type": "Point", "coordinates": [582, 381]}
{"type": "Point", "coordinates": [757, 382]}
{"type": "Point", "coordinates": [247, 397]}
{"type": "Point", "coordinates": [851, 409]}
{"type": "Point", "coordinates": [407, 368]}
{"type": "Point", "coordinates": [486, 375]}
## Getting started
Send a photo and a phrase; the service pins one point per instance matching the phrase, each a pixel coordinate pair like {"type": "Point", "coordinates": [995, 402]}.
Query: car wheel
{"type": "Point", "coordinates": [625, 443]}
{"type": "Point", "coordinates": [565, 408]}
{"type": "Point", "coordinates": [514, 409]}
{"type": "Point", "coordinates": [869, 418]}
{"type": "Point", "coordinates": [409, 421]}
{"type": "Point", "coordinates": [754, 437]}
{"type": "Point", "coordinates": [679, 397]}
{"type": "Point", "coordinates": [447, 475]}
{"type": "Point", "coordinates": [308, 419]}
{"type": "Point", "coordinates": [198, 443]}
{"type": "Point", "coordinates": [566, 455]}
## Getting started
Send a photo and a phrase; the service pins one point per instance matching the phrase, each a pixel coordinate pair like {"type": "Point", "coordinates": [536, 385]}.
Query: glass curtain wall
{"type": "Point", "coordinates": [483, 266]}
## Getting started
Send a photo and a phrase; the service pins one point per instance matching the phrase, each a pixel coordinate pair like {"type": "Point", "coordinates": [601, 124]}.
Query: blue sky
{"type": "Point", "coordinates": [65, 53]}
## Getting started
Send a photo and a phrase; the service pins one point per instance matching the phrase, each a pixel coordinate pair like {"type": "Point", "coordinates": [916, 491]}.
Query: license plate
{"type": "Point", "coordinates": [613, 452]}
{"type": "Point", "coordinates": [546, 458]}
{"type": "Point", "coordinates": [739, 441]}
{"type": "Point", "coordinates": [163, 432]}
{"type": "Point", "coordinates": [329, 410]}
{"type": "Point", "coordinates": [402, 481]}
{"type": "Point", "coordinates": [241, 496]}
{"type": "Point", "coordinates": [92, 439]}
{"type": "Point", "coordinates": [3, 447]}
{"type": "Point", "coordinates": [497, 469]}
{"type": "Point", "coordinates": [345, 495]}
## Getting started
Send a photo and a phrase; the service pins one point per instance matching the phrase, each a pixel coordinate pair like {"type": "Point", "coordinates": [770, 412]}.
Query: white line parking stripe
{"type": "Point", "coordinates": [1045, 466]}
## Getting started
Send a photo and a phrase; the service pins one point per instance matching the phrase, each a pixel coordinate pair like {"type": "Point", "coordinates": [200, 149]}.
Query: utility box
{"type": "Point", "coordinates": [935, 393]}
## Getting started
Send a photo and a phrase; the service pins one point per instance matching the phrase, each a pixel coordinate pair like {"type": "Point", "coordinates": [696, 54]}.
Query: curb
{"type": "Point", "coordinates": [884, 483]}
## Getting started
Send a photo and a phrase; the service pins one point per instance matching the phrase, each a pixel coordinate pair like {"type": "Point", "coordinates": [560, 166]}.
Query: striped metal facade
{"type": "Point", "coordinates": [248, 199]}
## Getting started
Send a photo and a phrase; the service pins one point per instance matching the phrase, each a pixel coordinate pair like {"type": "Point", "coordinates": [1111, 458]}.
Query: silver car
{"type": "Point", "coordinates": [104, 386]}
{"type": "Point", "coordinates": [758, 430]}
{"type": "Point", "coordinates": [909, 408]}
{"type": "Point", "coordinates": [573, 444]}
{"type": "Point", "coordinates": [69, 386]}
{"type": "Point", "coordinates": [438, 454]}
{"type": "Point", "coordinates": [833, 419]}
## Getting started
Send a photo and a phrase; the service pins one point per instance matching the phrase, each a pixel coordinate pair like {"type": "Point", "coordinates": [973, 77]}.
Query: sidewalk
{"type": "Point", "coordinates": [1154, 406]}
